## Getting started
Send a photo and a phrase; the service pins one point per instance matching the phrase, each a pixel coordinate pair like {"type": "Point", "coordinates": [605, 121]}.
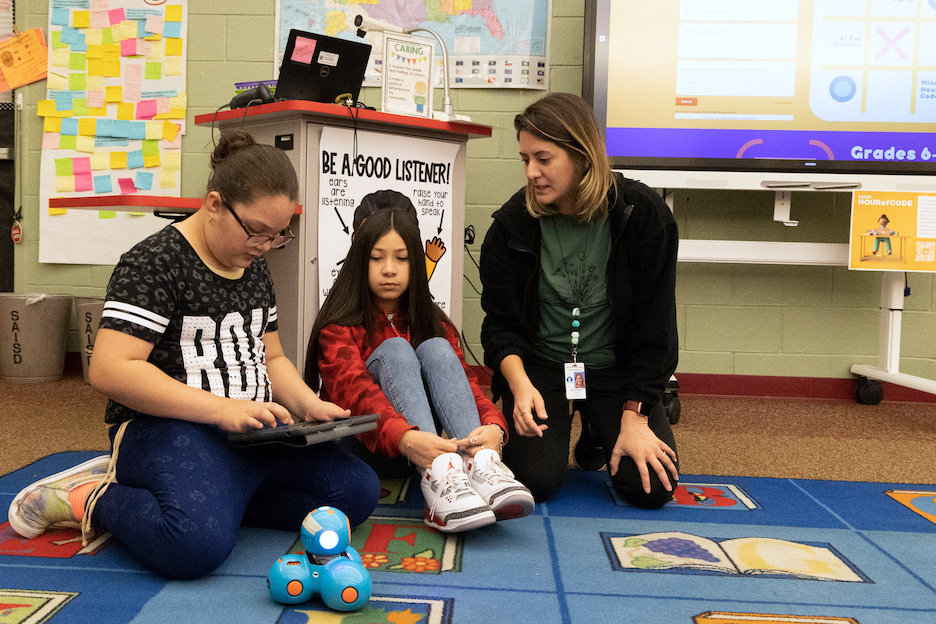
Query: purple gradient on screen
{"type": "Point", "coordinates": [774, 144]}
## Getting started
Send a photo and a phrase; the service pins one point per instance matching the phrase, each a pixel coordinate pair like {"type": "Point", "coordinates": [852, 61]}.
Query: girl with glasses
{"type": "Point", "coordinates": [188, 351]}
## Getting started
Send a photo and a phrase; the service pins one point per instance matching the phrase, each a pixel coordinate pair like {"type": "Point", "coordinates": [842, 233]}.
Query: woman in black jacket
{"type": "Point", "coordinates": [579, 274]}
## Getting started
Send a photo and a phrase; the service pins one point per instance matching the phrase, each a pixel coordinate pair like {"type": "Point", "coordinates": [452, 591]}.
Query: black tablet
{"type": "Point", "coordinates": [306, 433]}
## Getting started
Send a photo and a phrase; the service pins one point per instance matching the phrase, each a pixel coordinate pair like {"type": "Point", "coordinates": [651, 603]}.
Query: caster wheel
{"type": "Point", "coordinates": [868, 391]}
{"type": "Point", "coordinates": [673, 409]}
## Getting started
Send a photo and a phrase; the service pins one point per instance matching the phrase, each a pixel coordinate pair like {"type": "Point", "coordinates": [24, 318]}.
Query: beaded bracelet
{"type": "Point", "coordinates": [501, 431]}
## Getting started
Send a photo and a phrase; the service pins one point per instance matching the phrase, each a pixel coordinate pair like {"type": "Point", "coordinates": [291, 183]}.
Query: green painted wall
{"type": "Point", "coordinates": [733, 319]}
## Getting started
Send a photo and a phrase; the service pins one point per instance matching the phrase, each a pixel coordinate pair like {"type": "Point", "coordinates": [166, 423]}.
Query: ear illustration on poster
{"type": "Point", "coordinates": [359, 170]}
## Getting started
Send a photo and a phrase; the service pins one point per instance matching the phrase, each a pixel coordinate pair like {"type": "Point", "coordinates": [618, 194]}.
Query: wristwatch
{"type": "Point", "coordinates": [640, 407]}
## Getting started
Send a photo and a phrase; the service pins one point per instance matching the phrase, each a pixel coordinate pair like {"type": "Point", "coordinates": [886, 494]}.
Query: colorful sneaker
{"type": "Point", "coordinates": [451, 503]}
{"type": "Point", "coordinates": [45, 504]}
{"type": "Point", "coordinates": [495, 482]}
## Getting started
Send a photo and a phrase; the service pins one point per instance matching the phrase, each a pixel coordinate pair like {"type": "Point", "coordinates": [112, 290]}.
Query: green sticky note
{"type": "Point", "coordinates": [77, 82]}
{"type": "Point", "coordinates": [63, 166]}
{"type": "Point", "coordinates": [68, 142]}
{"type": "Point", "coordinates": [77, 61]}
{"type": "Point", "coordinates": [150, 147]}
{"type": "Point", "coordinates": [57, 40]}
{"type": "Point", "coordinates": [153, 71]}
{"type": "Point", "coordinates": [80, 107]}
{"type": "Point", "coordinates": [106, 214]}
{"type": "Point", "coordinates": [107, 37]}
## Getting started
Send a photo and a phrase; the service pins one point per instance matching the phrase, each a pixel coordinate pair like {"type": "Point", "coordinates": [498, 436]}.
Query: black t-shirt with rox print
{"type": "Point", "coordinates": [206, 330]}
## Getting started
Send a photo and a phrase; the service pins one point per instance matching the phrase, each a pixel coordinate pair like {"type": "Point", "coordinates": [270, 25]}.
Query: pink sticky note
{"type": "Point", "coordinates": [116, 16]}
{"type": "Point", "coordinates": [127, 186]}
{"type": "Point", "coordinates": [128, 47]}
{"type": "Point", "coordinates": [81, 165]}
{"type": "Point", "coordinates": [100, 19]}
{"type": "Point", "coordinates": [50, 140]}
{"type": "Point", "coordinates": [146, 109]}
{"type": "Point", "coordinates": [133, 72]}
{"type": "Point", "coordinates": [303, 51]}
{"type": "Point", "coordinates": [84, 182]}
{"type": "Point", "coordinates": [154, 24]}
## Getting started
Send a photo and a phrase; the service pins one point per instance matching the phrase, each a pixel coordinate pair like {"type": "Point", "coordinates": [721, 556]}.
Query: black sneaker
{"type": "Point", "coordinates": [588, 453]}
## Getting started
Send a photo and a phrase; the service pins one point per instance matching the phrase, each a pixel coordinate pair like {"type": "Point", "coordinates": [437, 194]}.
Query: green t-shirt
{"type": "Point", "coordinates": [573, 276]}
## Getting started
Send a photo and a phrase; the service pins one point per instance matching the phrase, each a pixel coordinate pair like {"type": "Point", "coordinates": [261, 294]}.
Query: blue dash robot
{"type": "Point", "coordinates": [329, 567]}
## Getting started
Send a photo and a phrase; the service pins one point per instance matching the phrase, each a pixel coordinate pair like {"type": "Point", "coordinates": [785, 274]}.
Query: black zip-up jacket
{"type": "Point", "coordinates": [641, 281]}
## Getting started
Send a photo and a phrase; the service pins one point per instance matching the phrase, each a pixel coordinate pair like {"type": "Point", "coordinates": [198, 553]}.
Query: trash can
{"type": "Point", "coordinates": [32, 336]}
{"type": "Point", "coordinates": [87, 318]}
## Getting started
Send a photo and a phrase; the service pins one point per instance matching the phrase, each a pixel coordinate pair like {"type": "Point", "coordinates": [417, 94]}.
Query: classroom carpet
{"type": "Point", "coordinates": [727, 550]}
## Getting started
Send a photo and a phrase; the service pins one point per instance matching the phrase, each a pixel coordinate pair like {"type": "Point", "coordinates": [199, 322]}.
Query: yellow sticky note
{"type": "Point", "coordinates": [167, 179]}
{"type": "Point", "coordinates": [64, 184]}
{"type": "Point", "coordinates": [174, 13]}
{"type": "Point", "coordinates": [151, 161]}
{"type": "Point", "coordinates": [106, 214]}
{"type": "Point", "coordinates": [95, 52]}
{"type": "Point", "coordinates": [112, 69]}
{"type": "Point", "coordinates": [60, 211]}
{"type": "Point", "coordinates": [172, 160]}
{"type": "Point", "coordinates": [81, 19]}
{"type": "Point", "coordinates": [95, 67]}
{"type": "Point", "coordinates": [125, 111]}
{"type": "Point", "coordinates": [128, 29]}
{"type": "Point", "coordinates": [87, 126]}
{"type": "Point", "coordinates": [94, 37]}
{"type": "Point", "coordinates": [57, 82]}
{"type": "Point", "coordinates": [85, 144]}
{"type": "Point", "coordinates": [172, 67]}
{"type": "Point", "coordinates": [169, 131]}
{"type": "Point", "coordinates": [100, 160]}
{"type": "Point", "coordinates": [46, 108]}
{"type": "Point", "coordinates": [154, 130]}
{"type": "Point", "coordinates": [98, 112]}
{"type": "Point", "coordinates": [52, 124]}
{"type": "Point", "coordinates": [60, 57]}
{"type": "Point", "coordinates": [136, 214]}
{"type": "Point", "coordinates": [173, 47]}
{"type": "Point", "coordinates": [157, 51]}
{"type": "Point", "coordinates": [118, 160]}
{"type": "Point", "coordinates": [178, 101]}
{"type": "Point", "coordinates": [113, 94]}
{"type": "Point", "coordinates": [95, 83]}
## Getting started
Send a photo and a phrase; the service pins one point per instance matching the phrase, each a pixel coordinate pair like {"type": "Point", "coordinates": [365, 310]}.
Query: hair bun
{"type": "Point", "coordinates": [230, 143]}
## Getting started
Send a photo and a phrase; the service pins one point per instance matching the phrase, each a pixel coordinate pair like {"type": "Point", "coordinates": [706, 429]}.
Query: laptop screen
{"type": "Point", "coordinates": [320, 68]}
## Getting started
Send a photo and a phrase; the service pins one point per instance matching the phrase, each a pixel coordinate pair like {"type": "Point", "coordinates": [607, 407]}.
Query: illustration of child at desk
{"type": "Point", "coordinates": [883, 236]}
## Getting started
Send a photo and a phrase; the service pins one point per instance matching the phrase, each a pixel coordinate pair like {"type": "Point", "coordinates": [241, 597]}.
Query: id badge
{"type": "Point", "coordinates": [575, 380]}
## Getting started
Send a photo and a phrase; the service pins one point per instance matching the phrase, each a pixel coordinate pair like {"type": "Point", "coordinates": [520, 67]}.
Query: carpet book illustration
{"type": "Point", "coordinates": [726, 550]}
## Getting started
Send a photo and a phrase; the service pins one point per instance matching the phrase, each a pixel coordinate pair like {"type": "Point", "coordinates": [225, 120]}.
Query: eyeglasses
{"type": "Point", "coordinates": [255, 240]}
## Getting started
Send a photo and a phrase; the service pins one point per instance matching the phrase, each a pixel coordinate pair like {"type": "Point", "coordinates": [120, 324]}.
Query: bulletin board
{"type": "Point", "coordinates": [113, 119]}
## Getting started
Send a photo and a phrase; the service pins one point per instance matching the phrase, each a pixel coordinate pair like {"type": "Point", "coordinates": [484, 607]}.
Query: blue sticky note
{"type": "Point", "coordinates": [104, 127]}
{"type": "Point", "coordinates": [135, 159]}
{"type": "Point", "coordinates": [63, 100]}
{"type": "Point", "coordinates": [60, 17]}
{"type": "Point", "coordinates": [172, 30]}
{"type": "Point", "coordinates": [121, 129]}
{"type": "Point", "coordinates": [102, 184]}
{"type": "Point", "coordinates": [137, 129]}
{"type": "Point", "coordinates": [143, 181]}
{"type": "Point", "coordinates": [71, 36]}
{"type": "Point", "coordinates": [69, 126]}
{"type": "Point", "coordinates": [141, 32]}
{"type": "Point", "coordinates": [79, 45]}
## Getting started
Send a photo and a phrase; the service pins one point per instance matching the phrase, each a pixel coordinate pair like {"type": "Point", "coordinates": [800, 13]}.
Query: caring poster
{"type": "Point", "coordinates": [893, 232]}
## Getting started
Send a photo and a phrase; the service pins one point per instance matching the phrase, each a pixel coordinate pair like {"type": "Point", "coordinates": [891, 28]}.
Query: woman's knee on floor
{"type": "Point", "coordinates": [631, 490]}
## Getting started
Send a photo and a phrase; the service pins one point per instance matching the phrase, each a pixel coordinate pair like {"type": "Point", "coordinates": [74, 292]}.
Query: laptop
{"type": "Point", "coordinates": [320, 68]}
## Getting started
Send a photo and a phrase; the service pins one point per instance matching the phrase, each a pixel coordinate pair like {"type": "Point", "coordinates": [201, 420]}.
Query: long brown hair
{"type": "Point", "coordinates": [351, 303]}
{"type": "Point", "coordinates": [568, 121]}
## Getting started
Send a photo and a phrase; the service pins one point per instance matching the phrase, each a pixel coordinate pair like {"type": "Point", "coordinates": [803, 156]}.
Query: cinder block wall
{"type": "Point", "coordinates": [733, 319]}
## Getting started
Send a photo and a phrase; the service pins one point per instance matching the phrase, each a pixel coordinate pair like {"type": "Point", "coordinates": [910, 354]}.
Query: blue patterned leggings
{"type": "Point", "coordinates": [183, 492]}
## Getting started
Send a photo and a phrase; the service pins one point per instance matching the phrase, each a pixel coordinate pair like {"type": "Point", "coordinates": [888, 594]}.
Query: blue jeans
{"type": "Point", "coordinates": [183, 491]}
{"type": "Point", "coordinates": [426, 384]}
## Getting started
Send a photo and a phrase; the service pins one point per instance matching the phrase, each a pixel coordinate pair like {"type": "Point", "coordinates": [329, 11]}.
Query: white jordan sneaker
{"type": "Point", "coordinates": [452, 505]}
{"type": "Point", "coordinates": [495, 482]}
